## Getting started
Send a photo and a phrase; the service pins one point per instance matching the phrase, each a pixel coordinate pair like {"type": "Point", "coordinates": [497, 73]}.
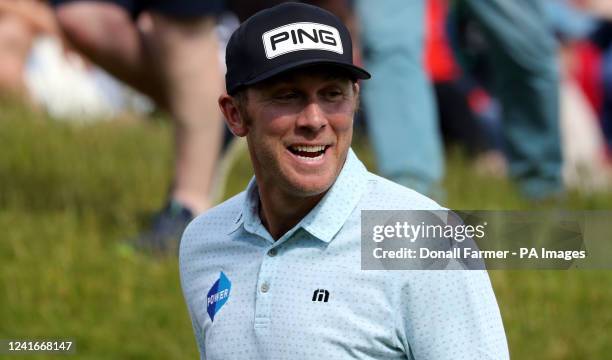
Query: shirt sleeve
{"type": "Point", "coordinates": [197, 329]}
{"type": "Point", "coordinates": [186, 280]}
{"type": "Point", "coordinates": [199, 335]}
{"type": "Point", "coordinates": [451, 314]}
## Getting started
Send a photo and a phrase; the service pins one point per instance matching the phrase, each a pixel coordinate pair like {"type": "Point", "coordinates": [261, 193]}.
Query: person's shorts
{"type": "Point", "coordinates": [176, 8]}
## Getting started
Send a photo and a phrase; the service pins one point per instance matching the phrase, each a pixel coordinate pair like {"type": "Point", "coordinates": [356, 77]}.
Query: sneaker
{"type": "Point", "coordinates": [165, 234]}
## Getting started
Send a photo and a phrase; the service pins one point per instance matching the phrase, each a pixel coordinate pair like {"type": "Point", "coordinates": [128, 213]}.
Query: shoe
{"type": "Point", "coordinates": [165, 234]}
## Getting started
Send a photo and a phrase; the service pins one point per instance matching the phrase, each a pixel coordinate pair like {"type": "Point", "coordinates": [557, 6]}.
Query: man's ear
{"type": "Point", "coordinates": [233, 117]}
{"type": "Point", "coordinates": [356, 90]}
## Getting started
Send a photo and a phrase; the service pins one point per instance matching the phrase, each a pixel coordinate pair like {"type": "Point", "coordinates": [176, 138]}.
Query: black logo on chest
{"type": "Point", "coordinates": [320, 295]}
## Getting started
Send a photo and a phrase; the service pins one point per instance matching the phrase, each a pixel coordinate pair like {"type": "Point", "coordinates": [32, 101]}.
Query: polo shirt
{"type": "Point", "coordinates": [304, 296]}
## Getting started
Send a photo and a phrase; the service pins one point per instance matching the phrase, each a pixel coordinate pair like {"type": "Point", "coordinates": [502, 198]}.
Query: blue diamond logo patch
{"type": "Point", "coordinates": [218, 295]}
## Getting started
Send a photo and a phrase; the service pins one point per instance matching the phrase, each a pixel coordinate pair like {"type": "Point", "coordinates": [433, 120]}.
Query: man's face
{"type": "Point", "coordinates": [300, 128]}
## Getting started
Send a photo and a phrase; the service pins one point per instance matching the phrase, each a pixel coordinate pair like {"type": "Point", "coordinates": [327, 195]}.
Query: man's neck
{"type": "Point", "coordinates": [280, 212]}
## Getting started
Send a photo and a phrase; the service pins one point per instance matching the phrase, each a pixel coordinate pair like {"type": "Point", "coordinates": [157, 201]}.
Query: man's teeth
{"type": "Point", "coordinates": [310, 158]}
{"type": "Point", "coordinates": [312, 149]}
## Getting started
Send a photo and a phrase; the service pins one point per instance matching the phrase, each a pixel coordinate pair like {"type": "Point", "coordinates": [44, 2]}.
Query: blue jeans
{"type": "Point", "coordinates": [526, 81]}
{"type": "Point", "coordinates": [398, 99]}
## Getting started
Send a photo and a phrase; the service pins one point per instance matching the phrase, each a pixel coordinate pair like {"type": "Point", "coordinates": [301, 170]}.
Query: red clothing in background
{"type": "Point", "coordinates": [439, 61]}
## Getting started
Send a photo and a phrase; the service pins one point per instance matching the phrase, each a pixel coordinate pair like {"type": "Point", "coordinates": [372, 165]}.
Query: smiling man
{"type": "Point", "coordinates": [274, 272]}
{"type": "Point", "coordinates": [299, 128]}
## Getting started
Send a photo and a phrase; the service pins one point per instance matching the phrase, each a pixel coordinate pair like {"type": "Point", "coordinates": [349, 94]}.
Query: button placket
{"type": "Point", "coordinates": [263, 297]}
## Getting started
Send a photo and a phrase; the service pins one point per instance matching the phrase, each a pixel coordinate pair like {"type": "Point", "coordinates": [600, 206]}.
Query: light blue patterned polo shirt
{"type": "Point", "coordinates": [305, 296]}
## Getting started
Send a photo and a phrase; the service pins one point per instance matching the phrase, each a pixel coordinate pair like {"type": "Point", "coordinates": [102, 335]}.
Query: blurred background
{"type": "Point", "coordinates": [111, 143]}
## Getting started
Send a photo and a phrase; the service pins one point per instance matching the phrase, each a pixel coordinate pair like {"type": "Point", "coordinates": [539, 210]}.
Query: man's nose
{"type": "Point", "coordinates": [312, 117]}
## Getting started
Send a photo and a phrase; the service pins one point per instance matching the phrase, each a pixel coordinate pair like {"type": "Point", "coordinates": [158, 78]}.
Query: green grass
{"type": "Point", "coordinates": [69, 195]}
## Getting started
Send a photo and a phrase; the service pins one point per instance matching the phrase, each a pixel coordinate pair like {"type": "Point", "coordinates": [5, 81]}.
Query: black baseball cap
{"type": "Point", "coordinates": [285, 37]}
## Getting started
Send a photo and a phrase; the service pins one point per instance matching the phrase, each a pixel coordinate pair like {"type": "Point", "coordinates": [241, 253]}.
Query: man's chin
{"type": "Point", "coordinates": [306, 188]}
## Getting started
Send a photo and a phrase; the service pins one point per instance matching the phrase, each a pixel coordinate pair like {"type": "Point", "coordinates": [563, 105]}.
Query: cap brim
{"type": "Point", "coordinates": [355, 71]}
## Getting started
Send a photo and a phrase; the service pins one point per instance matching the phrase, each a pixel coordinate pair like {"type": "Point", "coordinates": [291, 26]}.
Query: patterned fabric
{"type": "Point", "coordinates": [305, 296]}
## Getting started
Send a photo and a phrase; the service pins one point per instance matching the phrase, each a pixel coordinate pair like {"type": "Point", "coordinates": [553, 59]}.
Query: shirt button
{"type": "Point", "coordinates": [272, 252]}
{"type": "Point", "coordinates": [265, 287]}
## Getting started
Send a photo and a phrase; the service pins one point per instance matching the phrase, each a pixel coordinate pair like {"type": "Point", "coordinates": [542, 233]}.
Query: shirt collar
{"type": "Point", "coordinates": [327, 217]}
{"type": "Point", "coordinates": [330, 214]}
{"type": "Point", "coordinates": [248, 217]}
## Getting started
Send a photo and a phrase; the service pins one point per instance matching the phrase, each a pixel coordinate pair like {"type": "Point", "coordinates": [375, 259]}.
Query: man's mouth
{"type": "Point", "coordinates": [308, 152]}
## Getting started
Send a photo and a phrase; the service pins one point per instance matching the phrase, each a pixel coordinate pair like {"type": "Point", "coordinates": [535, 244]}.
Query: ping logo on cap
{"type": "Point", "coordinates": [301, 36]}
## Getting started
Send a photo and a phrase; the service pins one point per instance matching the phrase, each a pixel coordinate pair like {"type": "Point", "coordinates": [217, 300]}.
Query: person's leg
{"type": "Point", "coordinates": [399, 99]}
{"type": "Point", "coordinates": [189, 62]}
{"type": "Point", "coordinates": [526, 82]}
{"type": "Point", "coordinates": [106, 33]}
{"type": "Point", "coordinates": [176, 63]}
{"type": "Point", "coordinates": [16, 37]}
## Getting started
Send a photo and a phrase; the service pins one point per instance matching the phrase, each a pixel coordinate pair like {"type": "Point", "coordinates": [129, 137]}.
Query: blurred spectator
{"type": "Point", "coordinates": [582, 140]}
{"type": "Point", "coordinates": [523, 69]}
{"type": "Point", "coordinates": [167, 50]}
{"type": "Point", "coordinates": [599, 8]}
{"type": "Point", "coordinates": [20, 22]}
{"type": "Point", "coordinates": [603, 39]}
{"type": "Point", "coordinates": [68, 87]}
{"type": "Point", "coordinates": [524, 73]}
{"type": "Point", "coordinates": [399, 99]}
{"type": "Point", "coordinates": [454, 93]}
{"type": "Point", "coordinates": [35, 64]}
{"type": "Point", "coordinates": [607, 80]}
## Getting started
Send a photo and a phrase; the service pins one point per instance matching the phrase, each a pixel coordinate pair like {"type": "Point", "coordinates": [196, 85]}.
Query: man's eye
{"type": "Point", "coordinates": [334, 95]}
{"type": "Point", "coordinates": [286, 96]}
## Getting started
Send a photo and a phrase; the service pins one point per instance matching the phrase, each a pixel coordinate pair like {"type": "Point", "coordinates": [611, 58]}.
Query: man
{"type": "Point", "coordinates": [167, 50]}
{"type": "Point", "coordinates": [274, 273]}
